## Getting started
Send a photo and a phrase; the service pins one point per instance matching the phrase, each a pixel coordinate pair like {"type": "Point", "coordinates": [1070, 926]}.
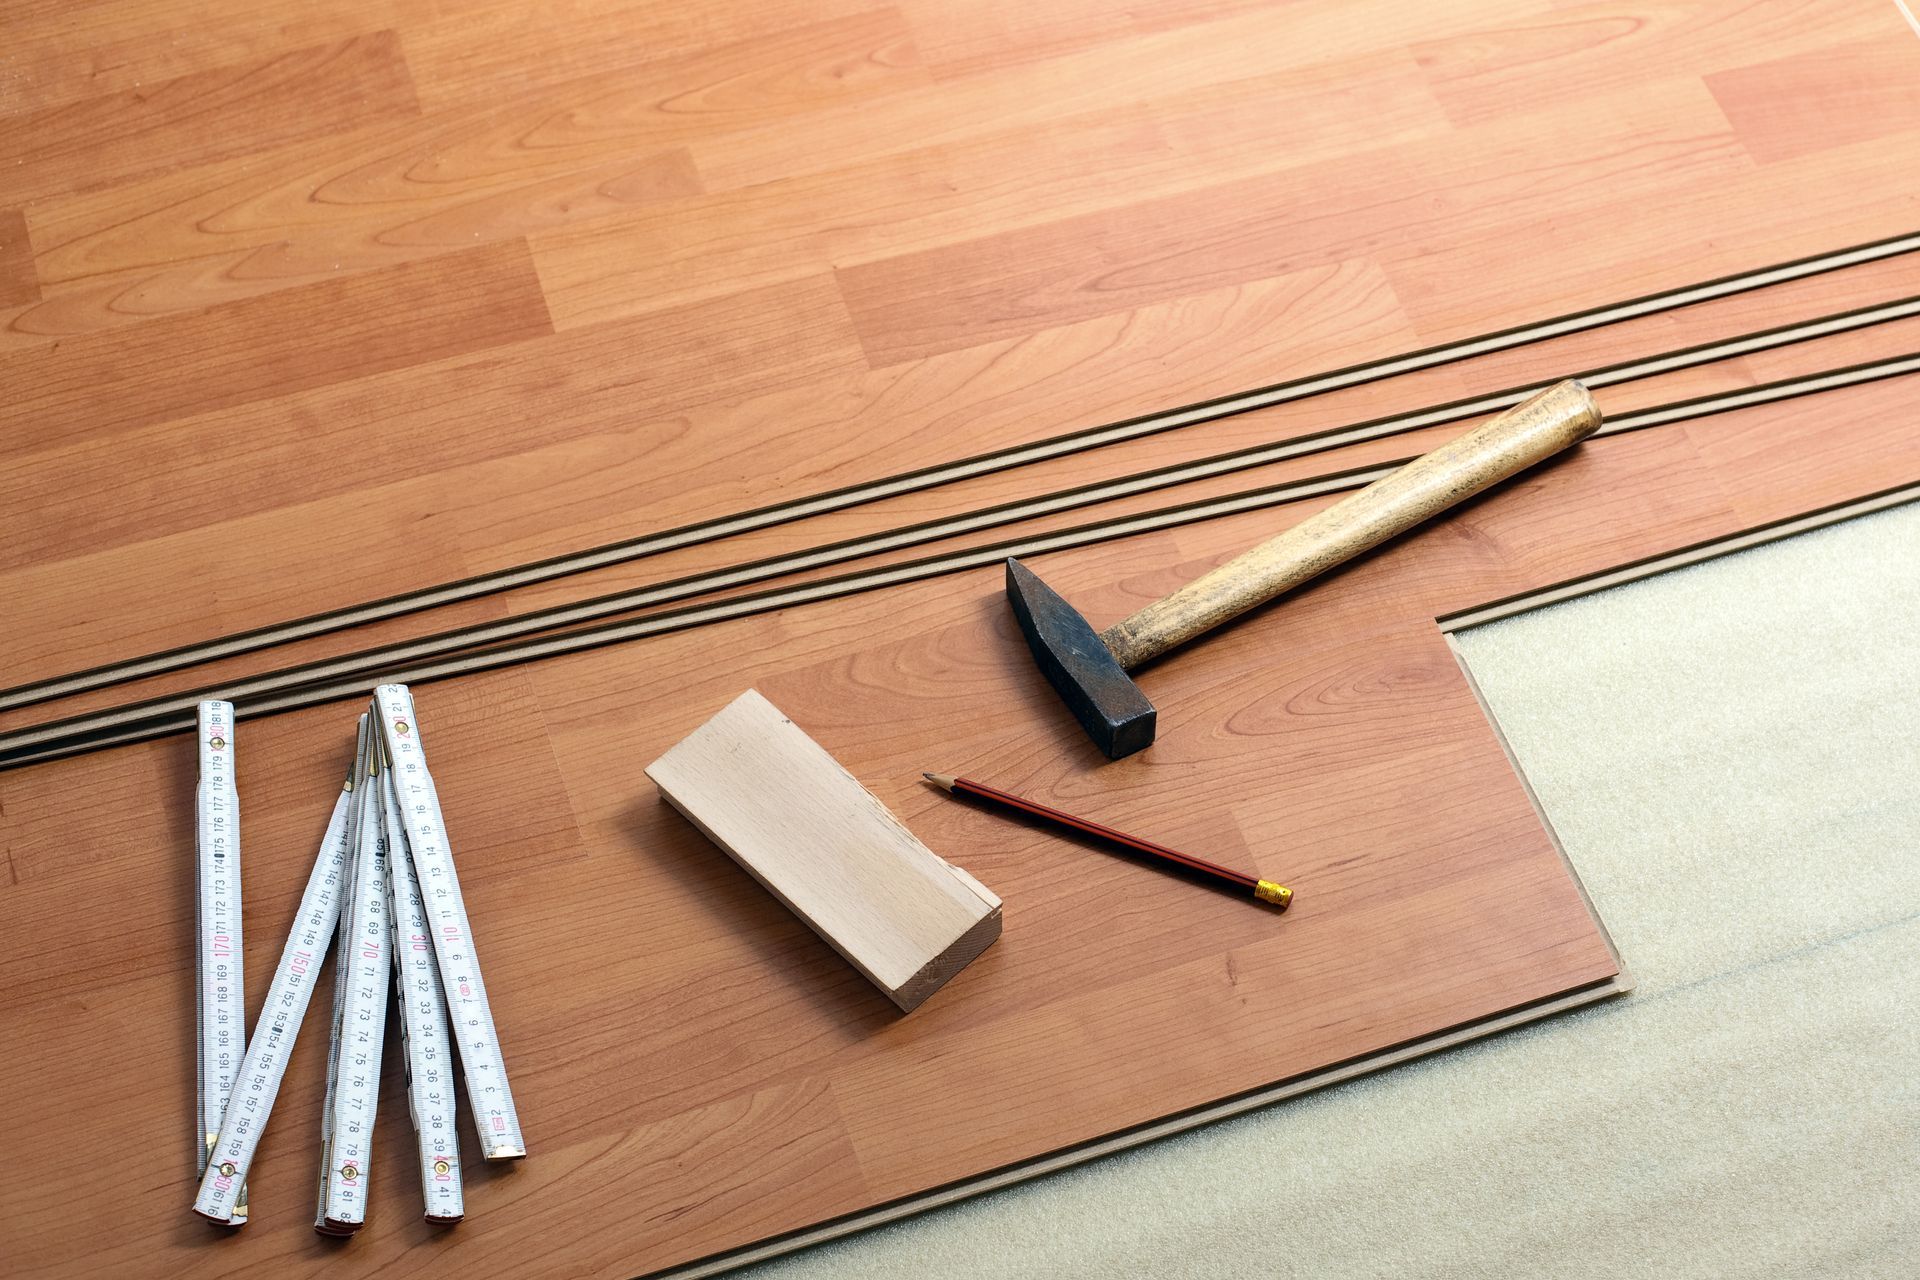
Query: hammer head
{"type": "Point", "coordinates": [1102, 696]}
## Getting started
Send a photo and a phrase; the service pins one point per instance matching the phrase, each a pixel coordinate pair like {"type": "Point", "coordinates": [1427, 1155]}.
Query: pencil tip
{"type": "Point", "coordinates": [944, 781]}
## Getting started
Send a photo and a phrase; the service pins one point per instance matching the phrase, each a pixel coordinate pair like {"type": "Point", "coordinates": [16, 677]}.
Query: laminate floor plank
{"type": "Point", "coordinates": [331, 469]}
{"type": "Point", "coordinates": [326, 332]}
{"type": "Point", "coordinates": [1160, 66]}
{"type": "Point", "coordinates": [1374, 203]}
{"type": "Point", "coordinates": [63, 52]}
{"type": "Point", "coordinates": [1109, 157]}
{"type": "Point", "coordinates": [1806, 102]}
{"type": "Point", "coordinates": [123, 296]}
{"type": "Point", "coordinates": [1570, 50]}
{"type": "Point", "coordinates": [995, 34]}
{"type": "Point", "coordinates": [226, 113]}
{"type": "Point", "coordinates": [1789, 209]}
{"type": "Point", "coordinates": [1775, 442]}
{"type": "Point", "coordinates": [637, 247]}
{"type": "Point", "coordinates": [67, 50]}
{"type": "Point", "coordinates": [209, 233]}
{"type": "Point", "coordinates": [465, 53]}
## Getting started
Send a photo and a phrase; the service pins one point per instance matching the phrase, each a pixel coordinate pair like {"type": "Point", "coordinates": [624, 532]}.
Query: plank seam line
{"type": "Point", "coordinates": [125, 725]}
{"type": "Point", "coordinates": [367, 661]}
{"type": "Point", "coordinates": [1141, 1134]}
{"type": "Point", "coordinates": [924, 478]}
{"type": "Point", "coordinates": [1679, 558]}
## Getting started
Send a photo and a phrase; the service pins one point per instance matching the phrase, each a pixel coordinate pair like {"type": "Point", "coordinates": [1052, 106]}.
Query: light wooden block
{"type": "Point", "coordinates": [805, 828]}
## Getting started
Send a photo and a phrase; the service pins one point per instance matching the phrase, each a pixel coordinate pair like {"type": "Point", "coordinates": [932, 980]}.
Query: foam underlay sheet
{"type": "Point", "coordinates": [1731, 755]}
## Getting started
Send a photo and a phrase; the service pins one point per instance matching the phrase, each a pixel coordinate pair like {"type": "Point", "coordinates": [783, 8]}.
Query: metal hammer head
{"type": "Point", "coordinates": [1102, 696]}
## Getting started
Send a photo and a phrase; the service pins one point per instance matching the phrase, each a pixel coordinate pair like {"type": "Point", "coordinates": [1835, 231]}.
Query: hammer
{"type": "Point", "coordinates": [1089, 668]}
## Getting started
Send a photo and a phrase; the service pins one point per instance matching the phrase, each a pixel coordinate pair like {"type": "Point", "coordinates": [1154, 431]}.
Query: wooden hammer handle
{"type": "Point", "coordinates": [1536, 428]}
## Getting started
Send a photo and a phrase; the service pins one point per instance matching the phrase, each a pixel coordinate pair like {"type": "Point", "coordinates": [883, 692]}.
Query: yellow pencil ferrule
{"type": "Point", "coordinates": [1278, 894]}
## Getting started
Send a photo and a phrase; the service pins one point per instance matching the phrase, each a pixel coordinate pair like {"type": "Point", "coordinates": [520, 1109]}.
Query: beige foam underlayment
{"type": "Point", "coordinates": [1730, 753]}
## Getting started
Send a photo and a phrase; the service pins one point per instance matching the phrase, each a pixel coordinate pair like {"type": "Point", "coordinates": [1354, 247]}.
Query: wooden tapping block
{"type": "Point", "coordinates": [806, 829]}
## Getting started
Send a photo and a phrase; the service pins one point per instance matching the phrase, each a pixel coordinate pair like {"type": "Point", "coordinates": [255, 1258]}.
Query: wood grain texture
{"type": "Point", "coordinates": [1635, 146]}
{"type": "Point", "coordinates": [218, 114]}
{"type": "Point", "coordinates": [1582, 48]}
{"type": "Point", "coordinates": [791, 815]}
{"type": "Point", "coordinates": [1806, 102]}
{"type": "Point", "coordinates": [572, 272]}
{"type": "Point", "coordinates": [463, 53]}
{"type": "Point", "coordinates": [67, 52]}
{"type": "Point", "coordinates": [616, 393]}
{"type": "Point", "coordinates": [417, 188]}
{"type": "Point", "coordinates": [1065, 161]}
{"type": "Point", "coordinates": [273, 345]}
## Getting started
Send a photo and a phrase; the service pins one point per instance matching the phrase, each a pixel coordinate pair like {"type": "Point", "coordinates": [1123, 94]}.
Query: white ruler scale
{"type": "Point", "coordinates": [265, 1063]}
{"type": "Point", "coordinates": [481, 1059]}
{"type": "Point", "coordinates": [221, 991]}
{"type": "Point", "coordinates": [357, 786]}
{"type": "Point", "coordinates": [424, 1036]}
{"type": "Point", "coordinates": [363, 959]}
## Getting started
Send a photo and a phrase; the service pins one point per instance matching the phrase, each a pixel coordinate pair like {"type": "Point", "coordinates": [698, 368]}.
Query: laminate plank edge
{"type": "Point", "coordinates": [117, 727]}
{"type": "Point", "coordinates": [1125, 1140]}
{"type": "Point", "coordinates": [1760, 535]}
{"type": "Point", "coordinates": [913, 481]}
{"type": "Point", "coordinates": [573, 613]}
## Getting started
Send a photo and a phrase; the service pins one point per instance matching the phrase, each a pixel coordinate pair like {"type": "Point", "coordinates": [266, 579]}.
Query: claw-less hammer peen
{"type": "Point", "coordinates": [1090, 668]}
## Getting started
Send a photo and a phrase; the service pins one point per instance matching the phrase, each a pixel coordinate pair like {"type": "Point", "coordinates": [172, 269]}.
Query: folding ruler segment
{"type": "Point", "coordinates": [424, 1037]}
{"type": "Point", "coordinates": [279, 1023]}
{"type": "Point", "coordinates": [220, 992]}
{"type": "Point", "coordinates": [357, 785]}
{"type": "Point", "coordinates": [363, 961]}
{"type": "Point", "coordinates": [471, 1016]}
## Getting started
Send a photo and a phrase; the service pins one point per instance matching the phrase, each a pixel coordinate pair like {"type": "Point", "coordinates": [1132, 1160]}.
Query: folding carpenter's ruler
{"type": "Point", "coordinates": [423, 1020]}
{"type": "Point", "coordinates": [360, 1026]}
{"type": "Point", "coordinates": [447, 925]}
{"type": "Point", "coordinates": [356, 786]}
{"type": "Point", "coordinates": [265, 1063]}
{"type": "Point", "coordinates": [220, 995]}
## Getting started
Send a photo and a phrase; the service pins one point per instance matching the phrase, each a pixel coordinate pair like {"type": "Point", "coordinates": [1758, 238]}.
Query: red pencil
{"type": "Point", "coordinates": [1265, 890]}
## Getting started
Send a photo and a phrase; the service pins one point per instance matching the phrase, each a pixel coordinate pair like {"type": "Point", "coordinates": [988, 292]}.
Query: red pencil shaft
{"type": "Point", "coordinates": [1121, 838]}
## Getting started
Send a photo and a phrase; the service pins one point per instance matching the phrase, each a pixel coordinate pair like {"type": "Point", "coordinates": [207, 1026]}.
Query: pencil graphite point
{"type": "Point", "coordinates": [944, 781]}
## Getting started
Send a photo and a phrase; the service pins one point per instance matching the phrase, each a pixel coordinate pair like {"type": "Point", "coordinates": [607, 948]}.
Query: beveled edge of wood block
{"type": "Point", "coordinates": [961, 953]}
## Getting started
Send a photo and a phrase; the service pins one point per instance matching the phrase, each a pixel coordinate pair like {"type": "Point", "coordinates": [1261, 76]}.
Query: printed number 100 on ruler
{"type": "Point", "coordinates": [480, 1055]}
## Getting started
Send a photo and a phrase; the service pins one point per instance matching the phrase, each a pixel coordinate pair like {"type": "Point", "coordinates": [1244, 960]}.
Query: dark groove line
{"type": "Point", "coordinates": [946, 473]}
{"type": "Point", "coordinates": [1678, 558]}
{"type": "Point", "coordinates": [674, 590]}
{"type": "Point", "coordinates": [42, 743]}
